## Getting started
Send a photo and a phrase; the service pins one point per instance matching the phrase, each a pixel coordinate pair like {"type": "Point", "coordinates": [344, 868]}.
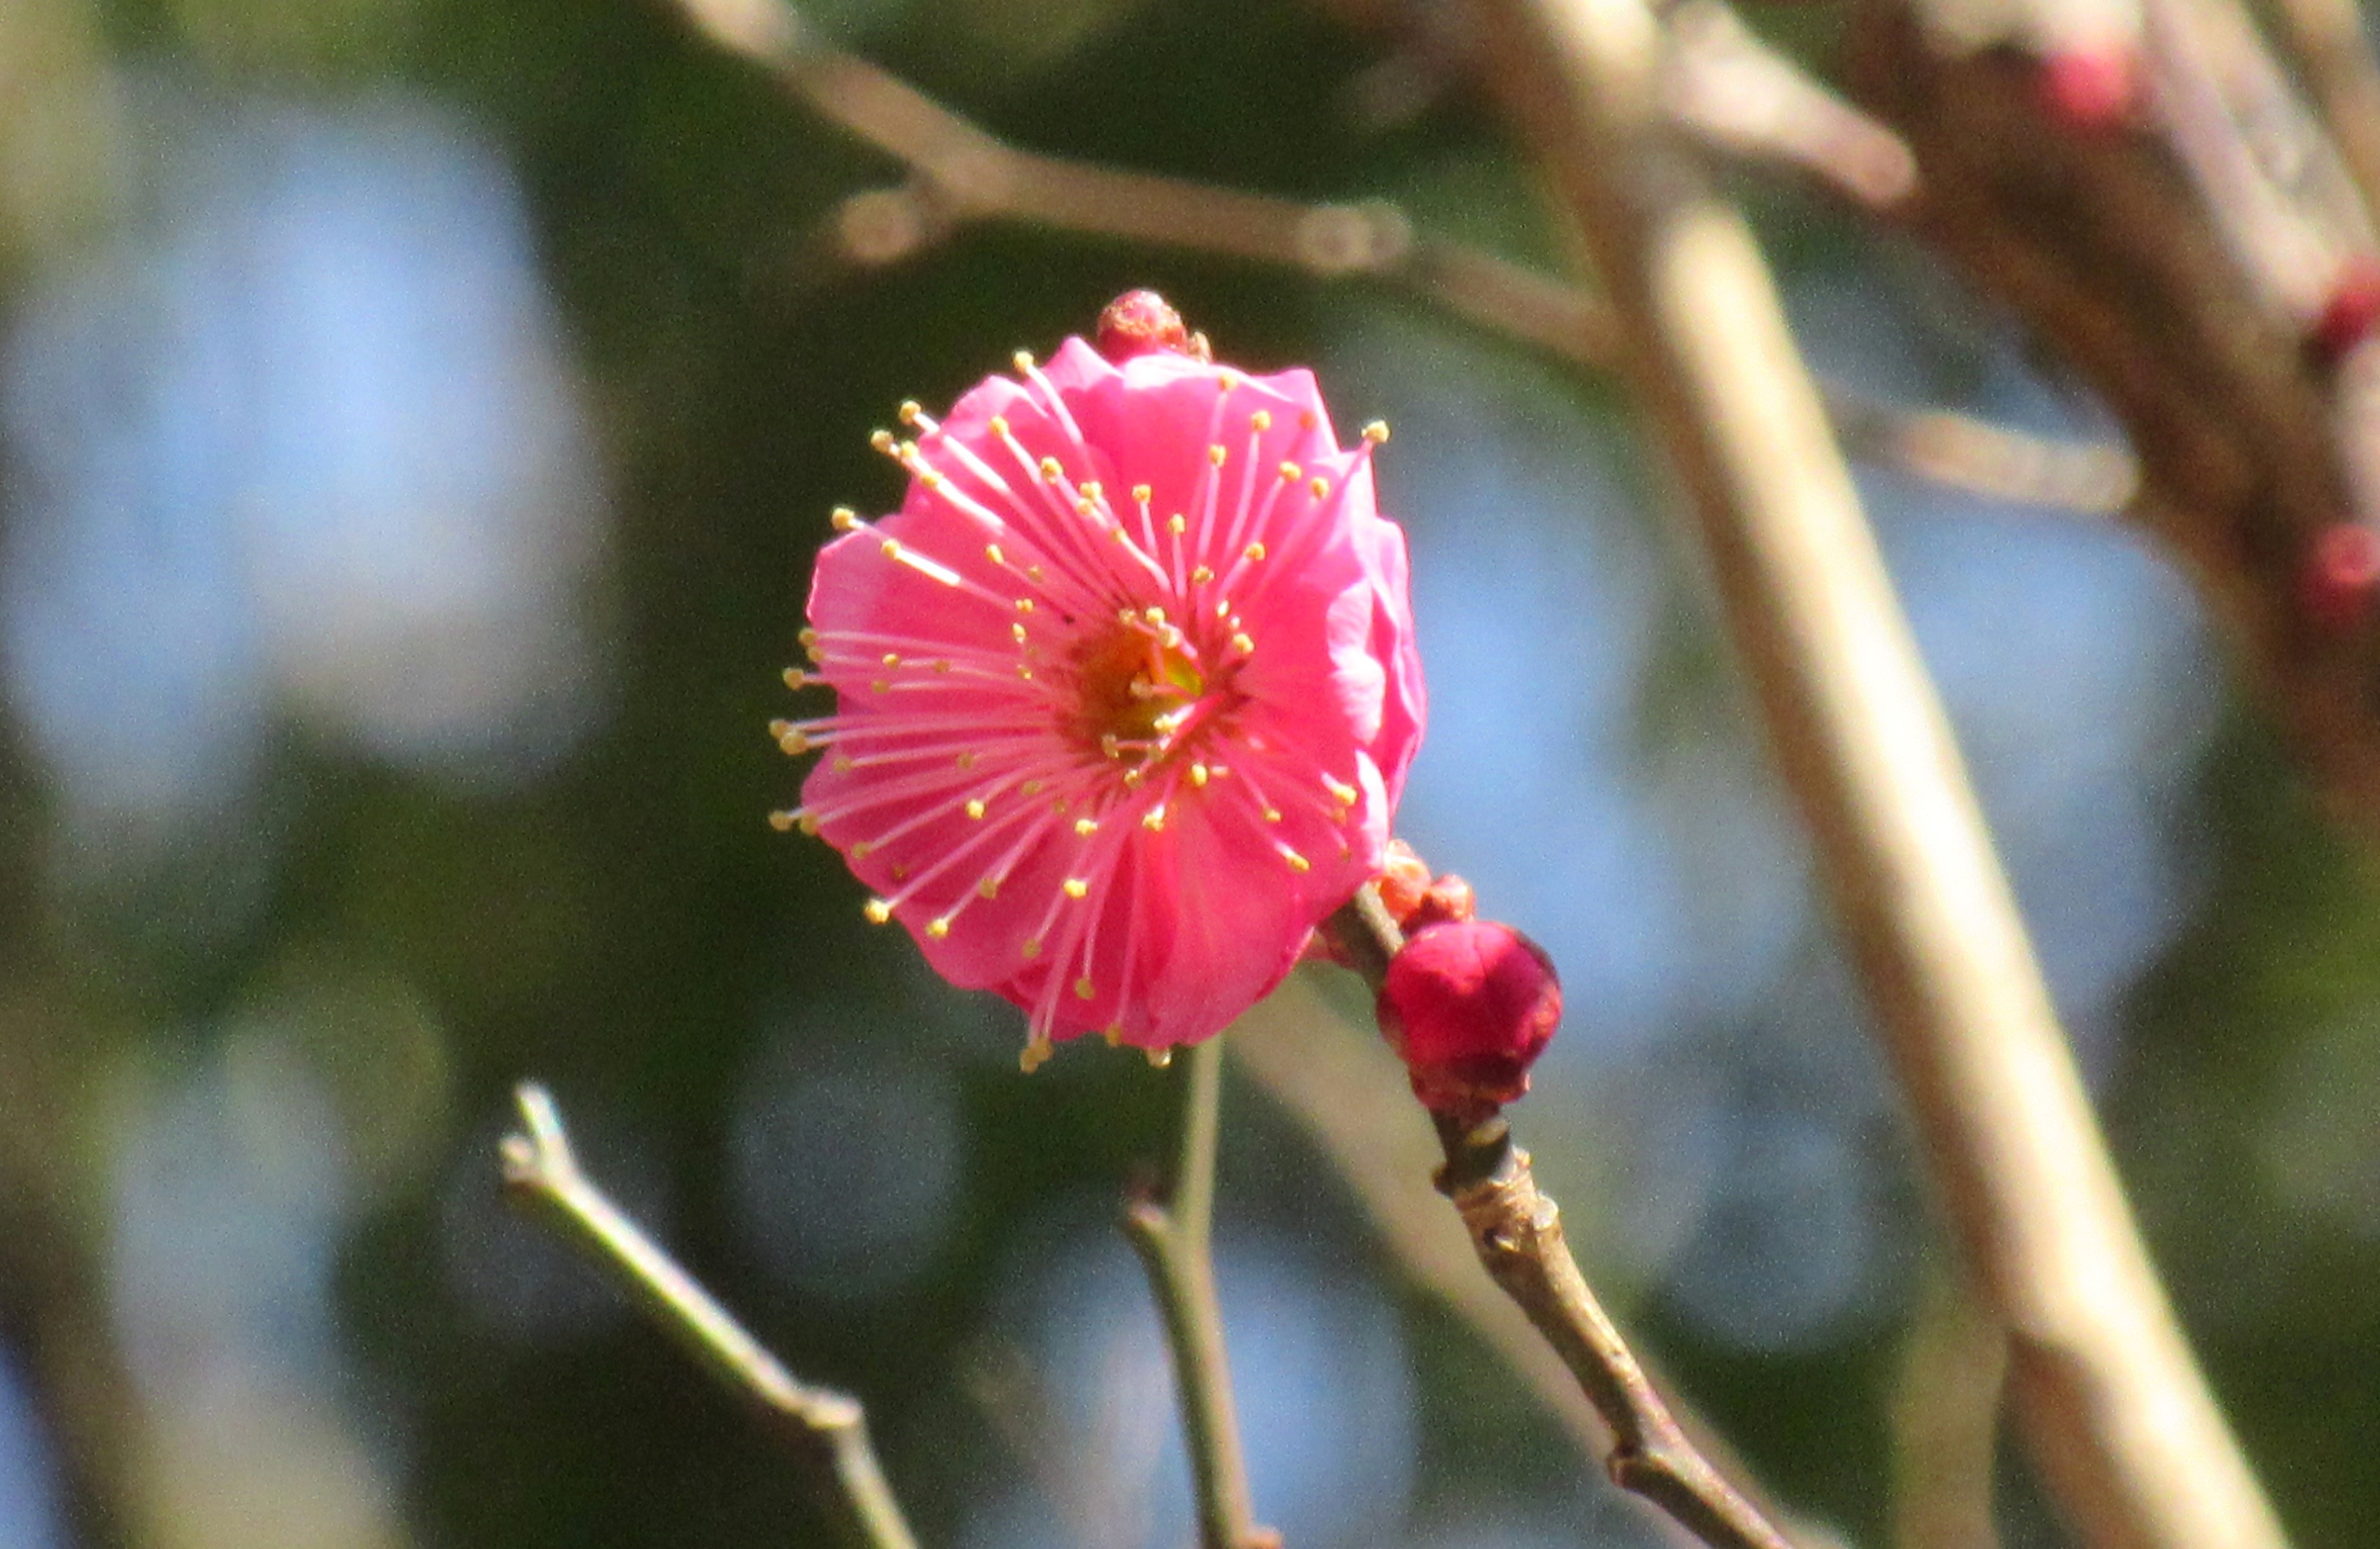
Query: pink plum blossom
{"type": "Point", "coordinates": [1125, 691]}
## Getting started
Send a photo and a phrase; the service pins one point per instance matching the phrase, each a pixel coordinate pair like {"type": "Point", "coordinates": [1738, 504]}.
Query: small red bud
{"type": "Point", "coordinates": [1142, 322]}
{"type": "Point", "coordinates": [1470, 1004]}
{"type": "Point", "coordinates": [2349, 313]}
{"type": "Point", "coordinates": [1448, 898]}
{"type": "Point", "coordinates": [2341, 575]}
{"type": "Point", "coordinates": [1404, 880]}
{"type": "Point", "coordinates": [2090, 89]}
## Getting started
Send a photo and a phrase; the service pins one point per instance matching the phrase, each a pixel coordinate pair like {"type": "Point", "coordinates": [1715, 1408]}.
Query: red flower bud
{"type": "Point", "coordinates": [2349, 313]}
{"type": "Point", "coordinates": [1448, 898]}
{"type": "Point", "coordinates": [1143, 322]}
{"type": "Point", "coordinates": [2341, 575]}
{"type": "Point", "coordinates": [2091, 89]}
{"type": "Point", "coordinates": [1470, 1004]}
{"type": "Point", "coordinates": [1413, 899]}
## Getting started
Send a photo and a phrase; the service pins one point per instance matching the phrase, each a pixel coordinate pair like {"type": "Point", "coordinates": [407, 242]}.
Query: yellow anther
{"type": "Point", "coordinates": [1036, 1055]}
{"type": "Point", "coordinates": [1016, 631]}
{"type": "Point", "coordinates": [1272, 814]}
{"type": "Point", "coordinates": [1160, 1058]}
{"type": "Point", "coordinates": [1260, 420]}
{"type": "Point", "coordinates": [966, 761]}
{"type": "Point", "coordinates": [1177, 524]}
{"type": "Point", "coordinates": [1226, 380]}
{"type": "Point", "coordinates": [1377, 431]}
{"type": "Point", "coordinates": [1085, 507]}
{"type": "Point", "coordinates": [1199, 775]}
{"type": "Point", "coordinates": [861, 849]}
{"type": "Point", "coordinates": [1083, 988]}
{"type": "Point", "coordinates": [1024, 605]}
{"type": "Point", "coordinates": [1320, 487]}
{"type": "Point", "coordinates": [939, 928]}
{"type": "Point", "coordinates": [991, 552]}
{"type": "Point", "coordinates": [807, 823]}
{"type": "Point", "coordinates": [891, 659]}
{"type": "Point", "coordinates": [1000, 424]}
{"type": "Point", "coordinates": [1030, 788]}
{"type": "Point", "coordinates": [1296, 861]}
{"type": "Point", "coordinates": [1252, 551]}
{"type": "Point", "coordinates": [1202, 576]}
{"type": "Point", "coordinates": [1215, 454]}
{"type": "Point", "coordinates": [1024, 672]}
{"type": "Point", "coordinates": [882, 685]}
{"type": "Point", "coordinates": [808, 638]}
{"type": "Point", "coordinates": [987, 888]}
{"type": "Point", "coordinates": [1113, 1035]}
{"type": "Point", "coordinates": [1051, 471]}
{"type": "Point", "coordinates": [877, 910]}
{"type": "Point", "coordinates": [1022, 361]}
{"type": "Point", "coordinates": [845, 519]}
{"type": "Point", "coordinates": [793, 744]}
{"type": "Point", "coordinates": [1141, 493]}
{"type": "Point", "coordinates": [1242, 645]}
{"type": "Point", "coordinates": [975, 809]}
{"type": "Point", "coordinates": [942, 664]}
{"type": "Point", "coordinates": [892, 548]}
{"type": "Point", "coordinates": [1033, 572]}
{"type": "Point", "coordinates": [1076, 887]}
{"type": "Point", "coordinates": [782, 821]}
{"type": "Point", "coordinates": [1086, 827]}
{"type": "Point", "coordinates": [1029, 948]}
{"type": "Point", "coordinates": [845, 763]}
{"type": "Point", "coordinates": [1153, 615]}
{"type": "Point", "coordinates": [1153, 819]}
{"type": "Point", "coordinates": [1090, 488]}
{"type": "Point", "coordinates": [882, 441]}
{"type": "Point", "coordinates": [1342, 793]}
{"type": "Point", "coordinates": [796, 678]}
{"type": "Point", "coordinates": [910, 411]}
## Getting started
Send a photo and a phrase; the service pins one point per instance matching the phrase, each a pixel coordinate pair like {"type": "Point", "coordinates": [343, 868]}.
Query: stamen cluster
{"type": "Point", "coordinates": [1125, 691]}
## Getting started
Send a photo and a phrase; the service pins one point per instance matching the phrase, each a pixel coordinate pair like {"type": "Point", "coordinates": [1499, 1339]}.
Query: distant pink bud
{"type": "Point", "coordinates": [2349, 313]}
{"type": "Point", "coordinates": [2091, 89]}
{"type": "Point", "coordinates": [2341, 575]}
{"type": "Point", "coordinates": [1125, 691]}
{"type": "Point", "coordinates": [1143, 322]}
{"type": "Point", "coordinates": [1470, 1005]}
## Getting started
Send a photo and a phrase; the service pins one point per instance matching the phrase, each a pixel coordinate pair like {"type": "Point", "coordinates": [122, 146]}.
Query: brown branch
{"type": "Point", "coordinates": [1516, 1231]}
{"type": "Point", "coordinates": [2174, 264]}
{"type": "Point", "coordinates": [2127, 1431]}
{"type": "Point", "coordinates": [826, 1431]}
{"type": "Point", "coordinates": [1517, 1238]}
{"type": "Point", "coordinates": [1732, 90]}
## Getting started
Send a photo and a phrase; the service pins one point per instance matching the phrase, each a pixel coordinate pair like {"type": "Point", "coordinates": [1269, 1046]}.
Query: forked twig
{"type": "Point", "coordinates": [825, 1431]}
{"type": "Point", "coordinates": [1728, 88]}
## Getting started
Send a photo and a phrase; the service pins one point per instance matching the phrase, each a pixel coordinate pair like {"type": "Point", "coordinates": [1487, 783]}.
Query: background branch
{"type": "Point", "coordinates": [2120, 1419]}
{"type": "Point", "coordinates": [1727, 86]}
{"type": "Point", "coordinates": [825, 1431]}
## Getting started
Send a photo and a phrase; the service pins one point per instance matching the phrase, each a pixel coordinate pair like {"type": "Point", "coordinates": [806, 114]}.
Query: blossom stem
{"type": "Point", "coordinates": [1516, 1232]}
{"type": "Point", "coordinates": [1174, 1244]}
{"type": "Point", "coordinates": [825, 1431]}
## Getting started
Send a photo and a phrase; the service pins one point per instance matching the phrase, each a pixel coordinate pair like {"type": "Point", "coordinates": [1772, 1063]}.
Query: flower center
{"type": "Point", "coordinates": [1138, 688]}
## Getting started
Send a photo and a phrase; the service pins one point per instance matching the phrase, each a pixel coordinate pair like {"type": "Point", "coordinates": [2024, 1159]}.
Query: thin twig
{"type": "Point", "coordinates": [1516, 1231]}
{"type": "Point", "coordinates": [1516, 1234]}
{"type": "Point", "coordinates": [825, 1431]}
{"type": "Point", "coordinates": [1946, 1413]}
{"type": "Point", "coordinates": [2117, 1410]}
{"type": "Point", "coordinates": [1175, 1248]}
{"type": "Point", "coordinates": [1727, 85]}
